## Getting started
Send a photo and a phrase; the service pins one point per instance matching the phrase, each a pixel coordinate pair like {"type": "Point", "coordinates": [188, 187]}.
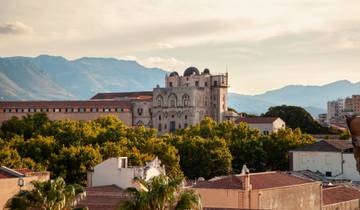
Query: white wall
{"type": "Point", "coordinates": [326, 161]}
{"type": "Point", "coordinates": [108, 173]}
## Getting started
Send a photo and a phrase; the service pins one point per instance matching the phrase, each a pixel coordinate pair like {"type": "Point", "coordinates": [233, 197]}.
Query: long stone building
{"type": "Point", "coordinates": [184, 101]}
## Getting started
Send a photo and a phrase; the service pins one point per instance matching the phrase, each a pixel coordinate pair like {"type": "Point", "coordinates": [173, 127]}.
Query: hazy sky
{"type": "Point", "coordinates": [263, 44]}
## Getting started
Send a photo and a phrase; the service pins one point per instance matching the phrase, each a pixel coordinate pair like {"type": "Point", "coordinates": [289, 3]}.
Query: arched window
{"type": "Point", "coordinates": [172, 100]}
{"type": "Point", "coordinates": [159, 100]}
{"type": "Point", "coordinates": [186, 100]}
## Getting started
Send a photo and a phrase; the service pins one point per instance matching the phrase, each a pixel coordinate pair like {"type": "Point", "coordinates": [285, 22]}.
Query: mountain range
{"type": "Point", "coordinates": [55, 78]}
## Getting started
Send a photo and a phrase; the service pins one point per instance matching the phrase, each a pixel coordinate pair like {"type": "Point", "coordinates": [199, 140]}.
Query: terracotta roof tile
{"type": "Point", "coordinates": [256, 120]}
{"type": "Point", "coordinates": [129, 95]}
{"type": "Point", "coordinates": [339, 194]}
{"type": "Point", "coordinates": [257, 180]}
{"type": "Point", "coordinates": [66, 104]}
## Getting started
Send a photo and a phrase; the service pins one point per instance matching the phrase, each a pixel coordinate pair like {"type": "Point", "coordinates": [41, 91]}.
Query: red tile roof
{"type": "Point", "coordinates": [125, 95]}
{"type": "Point", "coordinates": [5, 175]}
{"type": "Point", "coordinates": [12, 173]}
{"type": "Point", "coordinates": [103, 198]}
{"type": "Point", "coordinates": [257, 180]}
{"type": "Point", "coordinates": [339, 194]}
{"type": "Point", "coordinates": [256, 120]}
{"type": "Point", "coordinates": [66, 104]}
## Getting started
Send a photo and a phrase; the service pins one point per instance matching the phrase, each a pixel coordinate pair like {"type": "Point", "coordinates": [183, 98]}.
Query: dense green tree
{"type": "Point", "coordinates": [161, 193]}
{"type": "Point", "coordinates": [203, 157]}
{"type": "Point", "coordinates": [73, 162]}
{"type": "Point", "coordinates": [46, 195]}
{"type": "Point", "coordinates": [297, 117]}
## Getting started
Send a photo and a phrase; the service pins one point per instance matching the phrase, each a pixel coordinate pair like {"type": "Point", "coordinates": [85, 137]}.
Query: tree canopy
{"type": "Point", "coordinates": [297, 117]}
{"type": "Point", "coordinates": [69, 148]}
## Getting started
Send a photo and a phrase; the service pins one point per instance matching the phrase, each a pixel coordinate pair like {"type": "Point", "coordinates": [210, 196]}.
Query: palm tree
{"type": "Point", "coordinates": [161, 193]}
{"type": "Point", "coordinates": [47, 195]}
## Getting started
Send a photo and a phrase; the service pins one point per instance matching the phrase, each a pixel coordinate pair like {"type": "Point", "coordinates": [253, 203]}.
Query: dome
{"type": "Point", "coordinates": [190, 71]}
{"type": "Point", "coordinates": [173, 74]}
{"type": "Point", "coordinates": [206, 71]}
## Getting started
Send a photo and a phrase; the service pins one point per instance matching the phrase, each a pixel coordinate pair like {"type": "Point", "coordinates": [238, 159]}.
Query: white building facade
{"type": "Point", "coordinates": [115, 171]}
{"type": "Point", "coordinates": [266, 125]}
{"type": "Point", "coordinates": [334, 159]}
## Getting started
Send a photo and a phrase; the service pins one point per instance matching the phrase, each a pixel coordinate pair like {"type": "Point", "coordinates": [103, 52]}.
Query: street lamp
{"type": "Point", "coordinates": [21, 182]}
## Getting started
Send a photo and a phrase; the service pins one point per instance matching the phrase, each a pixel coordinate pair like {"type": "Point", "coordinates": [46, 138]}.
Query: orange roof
{"type": "Point", "coordinates": [339, 194]}
{"type": "Point", "coordinates": [256, 120]}
{"type": "Point", "coordinates": [257, 180]}
{"type": "Point", "coordinates": [124, 95]}
{"type": "Point", "coordinates": [66, 104]}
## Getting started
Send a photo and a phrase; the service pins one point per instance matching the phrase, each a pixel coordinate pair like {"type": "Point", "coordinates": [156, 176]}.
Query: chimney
{"type": "Point", "coordinates": [246, 184]}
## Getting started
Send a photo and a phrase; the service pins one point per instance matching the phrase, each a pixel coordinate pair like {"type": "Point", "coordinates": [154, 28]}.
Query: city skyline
{"type": "Point", "coordinates": [263, 45]}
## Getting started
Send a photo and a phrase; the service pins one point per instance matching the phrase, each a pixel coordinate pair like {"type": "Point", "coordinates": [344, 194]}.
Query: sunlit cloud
{"type": "Point", "coordinates": [15, 28]}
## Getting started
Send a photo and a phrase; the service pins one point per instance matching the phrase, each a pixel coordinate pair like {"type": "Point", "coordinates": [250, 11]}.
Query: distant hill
{"type": "Point", "coordinates": [55, 77]}
{"type": "Point", "coordinates": [312, 98]}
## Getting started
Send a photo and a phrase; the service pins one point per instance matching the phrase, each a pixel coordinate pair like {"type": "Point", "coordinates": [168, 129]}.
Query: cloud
{"type": "Point", "coordinates": [164, 63]}
{"type": "Point", "coordinates": [15, 28]}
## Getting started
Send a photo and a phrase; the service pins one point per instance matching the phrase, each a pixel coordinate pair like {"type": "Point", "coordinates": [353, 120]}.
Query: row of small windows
{"type": "Point", "coordinates": [160, 126]}
{"type": "Point", "coordinates": [197, 83]}
{"type": "Point", "coordinates": [173, 116]}
{"type": "Point", "coordinates": [63, 110]}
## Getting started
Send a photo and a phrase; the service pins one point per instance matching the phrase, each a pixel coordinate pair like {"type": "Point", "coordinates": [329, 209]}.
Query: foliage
{"type": "Point", "coordinates": [345, 135]}
{"type": "Point", "coordinates": [297, 117]}
{"type": "Point", "coordinates": [161, 193]}
{"type": "Point", "coordinates": [69, 148]}
{"type": "Point", "coordinates": [46, 195]}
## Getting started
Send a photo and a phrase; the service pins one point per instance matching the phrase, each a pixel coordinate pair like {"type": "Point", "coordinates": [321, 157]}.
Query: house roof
{"type": "Point", "coordinates": [124, 95]}
{"type": "Point", "coordinates": [66, 104]}
{"type": "Point", "coordinates": [256, 120]}
{"type": "Point", "coordinates": [257, 180]}
{"type": "Point", "coordinates": [6, 172]}
{"type": "Point", "coordinates": [339, 194]}
{"type": "Point", "coordinates": [328, 146]}
{"type": "Point", "coordinates": [103, 197]}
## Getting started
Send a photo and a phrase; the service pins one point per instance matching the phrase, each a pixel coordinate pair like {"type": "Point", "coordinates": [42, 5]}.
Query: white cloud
{"type": "Point", "coordinates": [15, 28]}
{"type": "Point", "coordinates": [170, 64]}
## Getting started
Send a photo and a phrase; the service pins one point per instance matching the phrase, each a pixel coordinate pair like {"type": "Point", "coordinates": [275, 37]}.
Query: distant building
{"type": "Point", "coordinates": [332, 158]}
{"type": "Point", "coordinates": [322, 119]}
{"type": "Point", "coordinates": [184, 101]}
{"type": "Point", "coordinates": [115, 171]}
{"type": "Point", "coordinates": [335, 110]}
{"type": "Point", "coordinates": [266, 125]}
{"type": "Point", "coordinates": [11, 181]}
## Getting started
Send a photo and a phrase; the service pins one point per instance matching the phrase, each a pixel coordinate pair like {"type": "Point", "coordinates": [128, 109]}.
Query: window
{"type": "Point", "coordinates": [159, 117]}
{"type": "Point", "coordinates": [106, 109]}
{"type": "Point", "coordinates": [69, 110]}
{"type": "Point", "coordinates": [196, 83]}
{"type": "Point", "coordinates": [215, 83]}
{"type": "Point", "coordinates": [7, 110]}
{"type": "Point", "coordinates": [45, 110]}
{"type": "Point", "coordinates": [328, 173]}
{"type": "Point", "coordinates": [266, 132]}
{"type": "Point", "coordinates": [56, 110]}
{"type": "Point", "coordinates": [159, 100]}
{"type": "Point", "coordinates": [165, 126]}
{"type": "Point", "coordinates": [185, 125]}
{"type": "Point", "coordinates": [18, 110]}
{"type": "Point", "coordinates": [119, 110]}
{"type": "Point", "coordinates": [186, 100]}
{"type": "Point", "coordinates": [94, 110]}
{"type": "Point", "coordinates": [159, 127]}
{"type": "Point", "coordinates": [185, 117]}
{"type": "Point", "coordinates": [172, 116]}
{"type": "Point", "coordinates": [81, 110]}
{"type": "Point", "coordinates": [31, 110]}
{"type": "Point", "coordinates": [170, 84]}
{"type": "Point", "coordinates": [206, 84]}
{"type": "Point", "coordinates": [140, 111]}
{"type": "Point", "coordinates": [172, 103]}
